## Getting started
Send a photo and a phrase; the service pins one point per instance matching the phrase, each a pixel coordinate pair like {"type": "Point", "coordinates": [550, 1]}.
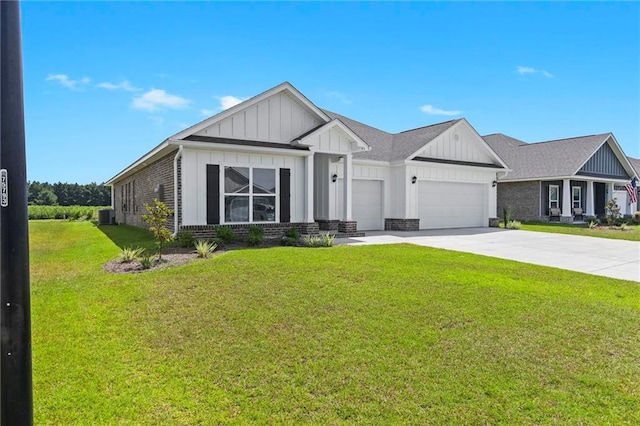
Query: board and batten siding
{"type": "Point", "coordinates": [194, 180]}
{"type": "Point", "coordinates": [360, 171]}
{"type": "Point", "coordinates": [460, 144]}
{"type": "Point", "coordinates": [279, 118]}
{"type": "Point", "coordinates": [332, 140]}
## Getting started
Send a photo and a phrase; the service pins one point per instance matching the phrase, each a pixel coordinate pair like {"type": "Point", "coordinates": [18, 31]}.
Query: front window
{"type": "Point", "coordinates": [249, 194]}
{"type": "Point", "coordinates": [554, 196]}
{"type": "Point", "coordinates": [577, 197]}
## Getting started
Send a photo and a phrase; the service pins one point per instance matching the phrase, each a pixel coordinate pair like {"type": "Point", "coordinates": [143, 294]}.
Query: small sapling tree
{"type": "Point", "coordinates": [612, 211]}
{"type": "Point", "coordinates": [156, 218]}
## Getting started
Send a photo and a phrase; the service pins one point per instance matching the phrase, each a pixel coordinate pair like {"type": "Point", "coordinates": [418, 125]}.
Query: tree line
{"type": "Point", "coordinates": [68, 194]}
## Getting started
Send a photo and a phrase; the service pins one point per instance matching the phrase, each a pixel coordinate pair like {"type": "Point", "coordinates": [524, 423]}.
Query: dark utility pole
{"type": "Point", "coordinates": [16, 402]}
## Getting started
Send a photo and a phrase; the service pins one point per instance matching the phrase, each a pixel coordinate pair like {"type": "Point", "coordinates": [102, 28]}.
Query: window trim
{"type": "Point", "coordinates": [573, 199]}
{"type": "Point", "coordinates": [250, 194]}
{"type": "Point", "coordinates": [557, 200]}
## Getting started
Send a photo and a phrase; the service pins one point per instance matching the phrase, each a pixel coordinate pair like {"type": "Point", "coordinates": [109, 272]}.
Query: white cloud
{"type": "Point", "coordinates": [339, 96]}
{"type": "Point", "coordinates": [431, 110]}
{"type": "Point", "coordinates": [229, 101]}
{"type": "Point", "coordinates": [65, 81]}
{"type": "Point", "coordinates": [156, 99]}
{"type": "Point", "coordinates": [207, 112]}
{"type": "Point", "coordinates": [530, 70]}
{"type": "Point", "coordinates": [123, 85]}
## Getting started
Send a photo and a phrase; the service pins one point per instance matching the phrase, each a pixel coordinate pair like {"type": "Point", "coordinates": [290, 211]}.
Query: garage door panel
{"type": "Point", "coordinates": [366, 207]}
{"type": "Point", "coordinates": [451, 204]}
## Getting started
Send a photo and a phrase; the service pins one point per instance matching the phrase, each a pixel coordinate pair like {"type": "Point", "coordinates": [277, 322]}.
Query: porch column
{"type": "Point", "coordinates": [348, 172]}
{"type": "Point", "coordinates": [566, 197]}
{"type": "Point", "coordinates": [308, 164]}
{"type": "Point", "coordinates": [610, 191]}
{"type": "Point", "coordinates": [590, 206]}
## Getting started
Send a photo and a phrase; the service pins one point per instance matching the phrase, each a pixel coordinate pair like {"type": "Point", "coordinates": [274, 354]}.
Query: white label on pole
{"type": "Point", "coordinates": [4, 188]}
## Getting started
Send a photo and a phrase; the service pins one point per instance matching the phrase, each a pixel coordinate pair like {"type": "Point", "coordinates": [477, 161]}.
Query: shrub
{"type": "Point", "coordinates": [324, 240]}
{"type": "Point", "coordinates": [593, 224]}
{"type": "Point", "coordinates": [514, 224]}
{"type": "Point", "coordinates": [624, 227]}
{"type": "Point", "coordinates": [507, 215]}
{"type": "Point", "coordinates": [205, 248]}
{"type": "Point", "coordinates": [156, 218]}
{"type": "Point", "coordinates": [327, 240]}
{"type": "Point", "coordinates": [256, 235]}
{"type": "Point", "coordinates": [225, 234]}
{"type": "Point", "coordinates": [185, 239]}
{"type": "Point", "coordinates": [311, 240]}
{"type": "Point", "coordinates": [128, 254]}
{"type": "Point", "coordinates": [290, 237]}
{"type": "Point", "coordinates": [146, 260]}
{"type": "Point", "coordinates": [612, 211]}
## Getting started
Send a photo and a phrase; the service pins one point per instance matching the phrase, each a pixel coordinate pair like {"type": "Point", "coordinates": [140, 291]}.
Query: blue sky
{"type": "Point", "coordinates": [105, 82]}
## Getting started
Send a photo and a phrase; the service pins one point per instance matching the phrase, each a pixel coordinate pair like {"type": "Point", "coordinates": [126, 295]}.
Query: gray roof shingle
{"type": "Point", "coordinates": [636, 164]}
{"type": "Point", "coordinates": [388, 146]}
{"type": "Point", "coordinates": [562, 157]}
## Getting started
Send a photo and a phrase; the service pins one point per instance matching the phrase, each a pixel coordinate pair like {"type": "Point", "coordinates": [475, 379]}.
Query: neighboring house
{"type": "Point", "coordinates": [279, 161]}
{"type": "Point", "coordinates": [569, 178]}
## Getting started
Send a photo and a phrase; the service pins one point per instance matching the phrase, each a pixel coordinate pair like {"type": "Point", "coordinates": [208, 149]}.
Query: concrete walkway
{"type": "Point", "coordinates": [597, 256]}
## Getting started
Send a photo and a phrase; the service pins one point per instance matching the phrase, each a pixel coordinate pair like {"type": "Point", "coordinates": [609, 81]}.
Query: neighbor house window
{"type": "Point", "coordinates": [554, 196]}
{"type": "Point", "coordinates": [577, 197]}
{"type": "Point", "coordinates": [249, 194]}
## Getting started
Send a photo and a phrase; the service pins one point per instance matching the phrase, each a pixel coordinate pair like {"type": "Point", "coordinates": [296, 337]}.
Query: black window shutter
{"type": "Point", "coordinates": [213, 194]}
{"type": "Point", "coordinates": [285, 195]}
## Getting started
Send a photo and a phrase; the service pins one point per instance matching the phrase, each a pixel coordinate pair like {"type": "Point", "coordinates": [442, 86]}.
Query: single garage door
{"type": "Point", "coordinates": [366, 207]}
{"type": "Point", "coordinates": [451, 205]}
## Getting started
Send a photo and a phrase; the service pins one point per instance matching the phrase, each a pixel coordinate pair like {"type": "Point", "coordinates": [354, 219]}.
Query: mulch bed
{"type": "Point", "coordinates": [176, 256]}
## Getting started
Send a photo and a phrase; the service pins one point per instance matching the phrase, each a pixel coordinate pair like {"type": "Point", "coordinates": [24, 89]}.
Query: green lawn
{"type": "Point", "coordinates": [631, 234]}
{"type": "Point", "coordinates": [395, 334]}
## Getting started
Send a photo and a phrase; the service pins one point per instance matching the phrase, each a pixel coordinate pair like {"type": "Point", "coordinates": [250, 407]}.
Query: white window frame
{"type": "Point", "coordinates": [573, 197]}
{"type": "Point", "coordinates": [557, 200]}
{"type": "Point", "coordinates": [250, 194]}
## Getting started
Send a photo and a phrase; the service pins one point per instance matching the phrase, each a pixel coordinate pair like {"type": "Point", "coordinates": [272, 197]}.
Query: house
{"type": "Point", "coordinates": [568, 178]}
{"type": "Point", "coordinates": [278, 160]}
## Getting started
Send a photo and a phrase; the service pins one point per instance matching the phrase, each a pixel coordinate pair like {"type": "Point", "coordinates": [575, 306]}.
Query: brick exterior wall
{"type": "Point", "coordinates": [522, 197]}
{"type": "Point", "coordinates": [401, 224]}
{"type": "Point", "coordinates": [328, 225]}
{"type": "Point", "coordinates": [271, 230]}
{"type": "Point", "coordinates": [347, 227]}
{"type": "Point", "coordinates": [132, 192]}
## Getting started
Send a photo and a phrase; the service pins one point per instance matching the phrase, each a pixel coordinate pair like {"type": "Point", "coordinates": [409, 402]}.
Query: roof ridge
{"type": "Point", "coordinates": [573, 137]}
{"type": "Point", "coordinates": [429, 125]}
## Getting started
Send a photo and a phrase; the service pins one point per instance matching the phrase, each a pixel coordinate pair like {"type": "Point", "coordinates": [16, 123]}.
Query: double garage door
{"type": "Point", "coordinates": [451, 205]}
{"type": "Point", "coordinates": [440, 204]}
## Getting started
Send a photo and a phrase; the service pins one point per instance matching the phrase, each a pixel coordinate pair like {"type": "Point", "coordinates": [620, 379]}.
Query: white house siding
{"type": "Point", "coordinates": [279, 118]}
{"type": "Point", "coordinates": [332, 140]}
{"type": "Point", "coordinates": [459, 143]}
{"type": "Point", "coordinates": [361, 171]}
{"type": "Point", "coordinates": [194, 200]}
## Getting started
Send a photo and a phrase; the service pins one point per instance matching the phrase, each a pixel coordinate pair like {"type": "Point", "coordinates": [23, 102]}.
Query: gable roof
{"type": "Point", "coordinates": [635, 162]}
{"type": "Point", "coordinates": [555, 158]}
{"type": "Point", "coordinates": [285, 86]}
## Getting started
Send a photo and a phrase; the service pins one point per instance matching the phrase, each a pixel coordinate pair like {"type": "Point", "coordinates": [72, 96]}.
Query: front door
{"type": "Point", "coordinates": [600, 198]}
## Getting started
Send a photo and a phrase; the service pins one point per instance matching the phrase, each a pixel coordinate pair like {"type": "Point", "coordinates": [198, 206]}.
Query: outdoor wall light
{"type": "Point", "coordinates": [414, 179]}
{"type": "Point", "coordinates": [494, 183]}
{"type": "Point", "coordinates": [334, 178]}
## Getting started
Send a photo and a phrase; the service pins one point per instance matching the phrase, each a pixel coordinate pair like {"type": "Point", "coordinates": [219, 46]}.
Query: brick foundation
{"type": "Point", "coordinates": [271, 230]}
{"type": "Point", "coordinates": [328, 225]}
{"type": "Point", "coordinates": [494, 222]}
{"type": "Point", "coordinates": [347, 227]}
{"type": "Point", "coordinates": [391, 224]}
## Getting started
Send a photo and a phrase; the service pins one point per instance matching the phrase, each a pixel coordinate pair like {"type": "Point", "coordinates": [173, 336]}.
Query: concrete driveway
{"type": "Point", "coordinates": [597, 256]}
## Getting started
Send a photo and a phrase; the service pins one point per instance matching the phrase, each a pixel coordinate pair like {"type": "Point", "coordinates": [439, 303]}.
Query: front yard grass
{"type": "Point", "coordinates": [631, 234]}
{"type": "Point", "coordinates": [395, 334]}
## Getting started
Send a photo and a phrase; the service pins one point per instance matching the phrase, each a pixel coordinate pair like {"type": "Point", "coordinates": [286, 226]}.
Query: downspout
{"type": "Point", "coordinates": [175, 190]}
